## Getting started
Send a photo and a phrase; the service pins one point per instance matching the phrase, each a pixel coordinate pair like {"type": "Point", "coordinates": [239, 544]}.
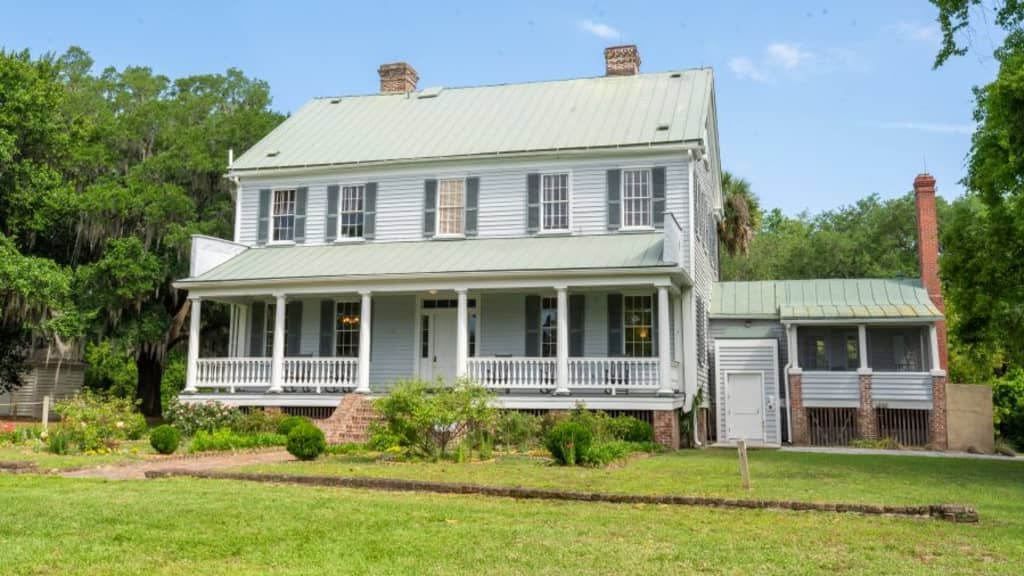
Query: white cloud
{"type": "Point", "coordinates": [928, 33]}
{"type": "Point", "coordinates": [787, 55]}
{"type": "Point", "coordinates": [745, 69]}
{"type": "Point", "coordinates": [935, 127]}
{"type": "Point", "coordinates": [600, 30]}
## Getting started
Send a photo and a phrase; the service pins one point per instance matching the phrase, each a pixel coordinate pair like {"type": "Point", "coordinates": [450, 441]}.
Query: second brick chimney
{"type": "Point", "coordinates": [928, 251]}
{"type": "Point", "coordinates": [621, 60]}
{"type": "Point", "coordinates": [397, 77]}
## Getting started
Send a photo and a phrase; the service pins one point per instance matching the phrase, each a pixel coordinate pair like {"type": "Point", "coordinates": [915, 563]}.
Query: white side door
{"type": "Point", "coordinates": [745, 402]}
{"type": "Point", "coordinates": [440, 334]}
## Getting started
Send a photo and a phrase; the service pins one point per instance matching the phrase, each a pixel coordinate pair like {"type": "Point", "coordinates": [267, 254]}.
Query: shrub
{"type": "Point", "coordinates": [517, 430]}
{"type": "Point", "coordinates": [306, 441]}
{"type": "Point", "coordinates": [14, 434]}
{"type": "Point", "coordinates": [164, 439]}
{"type": "Point", "coordinates": [1008, 406]}
{"type": "Point", "coordinates": [568, 441]}
{"type": "Point", "coordinates": [630, 429]}
{"type": "Point", "coordinates": [225, 439]}
{"type": "Point", "coordinates": [58, 441]}
{"type": "Point", "coordinates": [97, 423]}
{"type": "Point", "coordinates": [257, 420]}
{"type": "Point", "coordinates": [207, 416]}
{"type": "Point", "coordinates": [288, 423]}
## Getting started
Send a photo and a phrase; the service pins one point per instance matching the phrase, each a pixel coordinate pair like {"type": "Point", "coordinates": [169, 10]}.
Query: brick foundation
{"type": "Point", "coordinates": [937, 418]}
{"type": "Point", "coordinates": [666, 428]}
{"type": "Point", "coordinates": [350, 421]}
{"type": "Point", "coordinates": [798, 414]}
{"type": "Point", "coordinates": [867, 420]}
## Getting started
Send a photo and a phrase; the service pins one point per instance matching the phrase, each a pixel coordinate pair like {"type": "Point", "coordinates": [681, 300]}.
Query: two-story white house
{"type": "Point", "coordinates": [554, 241]}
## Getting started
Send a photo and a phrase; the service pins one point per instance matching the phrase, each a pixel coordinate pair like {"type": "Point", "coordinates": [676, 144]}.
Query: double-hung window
{"type": "Point", "coordinates": [638, 325]}
{"type": "Point", "coordinates": [451, 207]}
{"type": "Point", "coordinates": [350, 221]}
{"type": "Point", "coordinates": [549, 327]}
{"type": "Point", "coordinates": [636, 198]}
{"type": "Point", "coordinates": [346, 329]}
{"type": "Point", "coordinates": [283, 220]}
{"type": "Point", "coordinates": [555, 202]}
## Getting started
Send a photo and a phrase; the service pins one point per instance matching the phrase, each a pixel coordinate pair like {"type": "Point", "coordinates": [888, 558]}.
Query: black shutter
{"type": "Point", "coordinates": [615, 325]}
{"type": "Point", "coordinates": [301, 197]}
{"type": "Point", "coordinates": [263, 224]}
{"type": "Point", "coordinates": [532, 326]}
{"type": "Point", "coordinates": [532, 203]}
{"type": "Point", "coordinates": [577, 305]}
{"type": "Point", "coordinates": [370, 211]}
{"type": "Point", "coordinates": [327, 320]}
{"type": "Point", "coordinates": [472, 201]}
{"type": "Point", "coordinates": [614, 199]}
{"type": "Point", "coordinates": [293, 323]}
{"type": "Point", "coordinates": [331, 224]}
{"type": "Point", "coordinates": [658, 197]}
{"type": "Point", "coordinates": [257, 325]}
{"type": "Point", "coordinates": [429, 207]}
{"type": "Point", "coordinates": [655, 328]}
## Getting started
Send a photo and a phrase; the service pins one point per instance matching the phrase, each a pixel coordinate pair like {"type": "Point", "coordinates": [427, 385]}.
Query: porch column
{"type": "Point", "coordinates": [664, 344]}
{"type": "Point", "coordinates": [193, 344]}
{"type": "Point", "coordinates": [277, 354]}
{"type": "Point", "coordinates": [677, 331]}
{"type": "Point", "coordinates": [462, 334]}
{"type": "Point", "coordinates": [562, 333]}
{"type": "Point", "coordinates": [867, 419]}
{"type": "Point", "coordinates": [364, 343]}
{"type": "Point", "coordinates": [862, 335]}
{"type": "Point", "coordinates": [933, 344]}
{"type": "Point", "coordinates": [937, 417]}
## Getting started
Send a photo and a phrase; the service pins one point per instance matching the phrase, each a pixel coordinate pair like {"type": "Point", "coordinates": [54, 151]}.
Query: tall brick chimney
{"type": "Point", "coordinates": [928, 251]}
{"type": "Point", "coordinates": [397, 78]}
{"type": "Point", "coordinates": [621, 60]}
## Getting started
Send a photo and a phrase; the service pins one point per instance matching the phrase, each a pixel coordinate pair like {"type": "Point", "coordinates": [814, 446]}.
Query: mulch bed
{"type": "Point", "coordinates": [949, 512]}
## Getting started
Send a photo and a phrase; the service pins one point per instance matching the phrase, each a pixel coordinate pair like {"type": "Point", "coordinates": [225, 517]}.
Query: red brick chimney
{"type": "Point", "coordinates": [621, 60]}
{"type": "Point", "coordinates": [397, 78]}
{"type": "Point", "coordinates": [928, 251]}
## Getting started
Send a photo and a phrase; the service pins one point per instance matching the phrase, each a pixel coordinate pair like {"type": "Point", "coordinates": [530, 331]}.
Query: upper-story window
{"type": "Point", "coordinates": [451, 207]}
{"type": "Point", "coordinates": [283, 222]}
{"type": "Point", "coordinates": [350, 222]}
{"type": "Point", "coordinates": [549, 327]}
{"type": "Point", "coordinates": [555, 201]}
{"type": "Point", "coordinates": [636, 198]}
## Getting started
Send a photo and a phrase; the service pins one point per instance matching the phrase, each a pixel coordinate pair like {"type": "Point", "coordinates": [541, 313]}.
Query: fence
{"type": "Point", "coordinates": [832, 426]}
{"type": "Point", "coordinates": [907, 427]}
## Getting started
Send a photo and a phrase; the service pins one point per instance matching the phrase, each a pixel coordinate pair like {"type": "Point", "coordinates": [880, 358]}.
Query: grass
{"type": "Point", "coordinates": [128, 452]}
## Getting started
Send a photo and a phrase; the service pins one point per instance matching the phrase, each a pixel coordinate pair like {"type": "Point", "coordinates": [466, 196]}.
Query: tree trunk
{"type": "Point", "coordinates": [151, 371]}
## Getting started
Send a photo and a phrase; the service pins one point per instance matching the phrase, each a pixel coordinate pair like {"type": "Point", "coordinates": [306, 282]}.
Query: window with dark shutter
{"type": "Point", "coordinates": [429, 207]}
{"type": "Point", "coordinates": [331, 225]}
{"type": "Point", "coordinates": [532, 203]}
{"type": "Point", "coordinates": [263, 222]}
{"type": "Point", "coordinates": [614, 179]}
{"type": "Point", "coordinates": [472, 201]}
{"type": "Point", "coordinates": [614, 325]}
{"type": "Point", "coordinates": [577, 307]}
{"type": "Point", "coordinates": [658, 196]}
{"type": "Point", "coordinates": [532, 345]}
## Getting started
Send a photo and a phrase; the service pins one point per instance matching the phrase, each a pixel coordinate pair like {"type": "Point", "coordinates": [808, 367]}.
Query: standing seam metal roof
{"type": "Point", "coordinates": [823, 299]}
{"type": "Point", "coordinates": [614, 111]}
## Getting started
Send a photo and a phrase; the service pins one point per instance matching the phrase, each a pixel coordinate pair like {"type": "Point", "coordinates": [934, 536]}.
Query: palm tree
{"type": "Point", "coordinates": [742, 215]}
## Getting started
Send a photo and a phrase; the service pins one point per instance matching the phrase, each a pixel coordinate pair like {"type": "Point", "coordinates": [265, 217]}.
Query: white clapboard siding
{"type": "Point", "coordinates": [903, 390]}
{"type": "Point", "coordinates": [831, 389]}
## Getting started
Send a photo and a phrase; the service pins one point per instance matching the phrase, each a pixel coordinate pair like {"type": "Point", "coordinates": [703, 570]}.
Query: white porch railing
{"type": "Point", "coordinates": [513, 372]}
{"type": "Point", "coordinates": [317, 373]}
{"type": "Point", "coordinates": [614, 373]}
{"type": "Point", "coordinates": [233, 373]}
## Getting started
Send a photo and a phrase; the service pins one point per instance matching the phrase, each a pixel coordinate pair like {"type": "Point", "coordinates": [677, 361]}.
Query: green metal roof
{"type": "Point", "coordinates": [823, 299]}
{"type": "Point", "coordinates": [440, 256]}
{"type": "Point", "coordinates": [616, 111]}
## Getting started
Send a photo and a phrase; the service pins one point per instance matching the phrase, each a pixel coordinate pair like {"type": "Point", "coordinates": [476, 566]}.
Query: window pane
{"type": "Point", "coordinates": [555, 201]}
{"type": "Point", "coordinates": [549, 327]}
{"type": "Point", "coordinates": [346, 337]}
{"type": "Point", "coordinates": [425, 337]}
{"type": "Point", "coordinates": [351, 216]}
{"type": "Point", "coordinates": [636, 198]}
{"type": "Point", "coordinates": [638, 328]}
{"type": "Point", "coordinates": [283, 216]}
{"type": "Point", "coordinates": [451, 206]}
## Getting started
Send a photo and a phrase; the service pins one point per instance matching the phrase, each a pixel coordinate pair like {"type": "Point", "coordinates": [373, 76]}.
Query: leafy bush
{"type": "Point", "coordinates": [58, 441]}
{"type": "Point", "coordinates": [306, 441]}
{"type": "Point", "coordinates": [97, 423]}
{"type": "Point", "coordinates": [426, 418]}
{"type": "Point", "coordinates": [164, 439]}
{"type": "Point", "coordinates": [257, 420]}
{"type": "Point", "coordinates": [604, 453]}
{"type": "Point", "coordinates": [207, 416]}
{"type": "Point", "coordinates": [1008, 406]}
{"type": "Point", "coordinates": [886, 443]}
{"type": "Point", "coordinates": [225, 439]}
{"type": "Point", "coordinates": [630, 429]}
{"type": "Point", "coordinates": [288, 423]}
{"type": "Point", "coordinates": [173, 380]}
{"type": "Point", "coordinates": [110, 369]}
{"type": "Point", "coordinates": [569, 441]}
{"type": "Point", "coordinates": [517, 430]}
{"type": "Point", "coordinates": [11, 433]}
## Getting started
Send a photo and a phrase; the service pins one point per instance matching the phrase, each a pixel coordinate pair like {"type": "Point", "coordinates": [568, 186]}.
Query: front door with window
{"type": "Point", "coordinates": [437, 352]}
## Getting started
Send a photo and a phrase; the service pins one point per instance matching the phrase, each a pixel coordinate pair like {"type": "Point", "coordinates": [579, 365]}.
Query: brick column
{"type": "Point", "coordinates": [666, 428]}
{"type": "Point", "coordinates": [867, 420]}
{"type": "Point", "coordinates": [798, 414]}
{"type": "Point", "coordinates": [937, 418]}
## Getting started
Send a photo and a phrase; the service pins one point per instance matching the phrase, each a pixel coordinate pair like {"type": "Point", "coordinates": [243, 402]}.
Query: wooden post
{"type": "Point", "coordinates": [741, 446]}
{"type": "Point", "coordinates": [46, 412]}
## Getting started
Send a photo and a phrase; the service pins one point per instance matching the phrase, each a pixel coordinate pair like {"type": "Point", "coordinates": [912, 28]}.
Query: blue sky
{"type": "Point", "coordinates": [819, 103]}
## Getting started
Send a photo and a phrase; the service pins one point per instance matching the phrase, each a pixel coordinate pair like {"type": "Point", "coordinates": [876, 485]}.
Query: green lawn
{"type": "Point", "coordinates": [129, 452]}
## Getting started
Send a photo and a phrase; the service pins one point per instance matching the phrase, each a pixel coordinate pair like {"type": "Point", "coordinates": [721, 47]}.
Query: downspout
{"type": "Point", "coordinates": [785, 375]}
{"type": "Point", "coordinates": [691, 270]}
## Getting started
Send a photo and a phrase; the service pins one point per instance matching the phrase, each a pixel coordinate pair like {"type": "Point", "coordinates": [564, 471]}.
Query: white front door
{"type": "Point", "coordinates": [439, 338]}
{"type": "Point", "coordinates": [745, 401]}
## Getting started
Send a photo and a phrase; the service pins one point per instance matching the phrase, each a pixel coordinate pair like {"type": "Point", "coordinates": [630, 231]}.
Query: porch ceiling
{"type": "Point", "coordinates": [542, 253]}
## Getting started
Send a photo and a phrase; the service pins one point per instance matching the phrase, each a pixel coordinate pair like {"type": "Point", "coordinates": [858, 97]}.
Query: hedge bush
{"type": "Point", "coordinates": [630, 429]}
{"type": "Point", "coordinates": [569, 441]}
{"type": "Point", "coordinates": [306, 441]}
{"type": "Point", "coordinates": [207, 416]}
{"type": "Point", "coordinates": [226, 439]}
{"type": "Point", "coordinates": [256, 420]}
{"type": "Point", "coordinates": [165, 439]}
{"type": "Point", "coordinates": [288, 423]}
{"type": "Point", "coordinates": [1008, 406]}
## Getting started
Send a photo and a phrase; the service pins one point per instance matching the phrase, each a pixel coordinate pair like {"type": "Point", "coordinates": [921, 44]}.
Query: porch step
{"type": "Point", "coordinates": [350, 421]}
